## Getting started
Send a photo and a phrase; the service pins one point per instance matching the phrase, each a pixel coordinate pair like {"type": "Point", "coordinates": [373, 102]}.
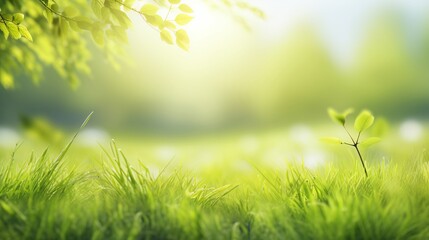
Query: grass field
{"type": "Point", "coordinates": [223, 187]}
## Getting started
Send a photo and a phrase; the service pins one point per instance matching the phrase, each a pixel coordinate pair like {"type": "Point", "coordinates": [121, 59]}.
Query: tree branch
{"type": "Point", "coordinates": [55, 12]}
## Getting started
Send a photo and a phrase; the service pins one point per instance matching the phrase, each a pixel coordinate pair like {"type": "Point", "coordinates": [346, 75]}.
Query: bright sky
{"type": "Point", "coordinates": [341, 23]}
{"type": "Point", "coordinates": [222, 51]}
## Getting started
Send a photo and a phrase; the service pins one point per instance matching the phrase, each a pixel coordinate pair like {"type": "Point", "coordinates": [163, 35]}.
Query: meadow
{"type": "Point", "coordinates": [218, 111]}
{"type": "Point", "coordinates": [101, 192]}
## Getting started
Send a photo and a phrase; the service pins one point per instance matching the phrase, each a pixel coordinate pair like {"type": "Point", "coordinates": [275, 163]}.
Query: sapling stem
{"type": "Point", "coordinates": [355, 145]}
{"type": "Point", "coordinates": [361, 159]}
{"type": "Point", "coordinates": [353, 141]}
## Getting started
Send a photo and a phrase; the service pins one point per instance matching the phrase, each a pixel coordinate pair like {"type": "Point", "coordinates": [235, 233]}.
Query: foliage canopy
{"type": "Point", "coordinates": [40, 33]}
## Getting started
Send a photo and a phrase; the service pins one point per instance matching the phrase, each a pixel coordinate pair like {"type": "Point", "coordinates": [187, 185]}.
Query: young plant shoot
{"type": "Point", "coordinates": [362, 122]}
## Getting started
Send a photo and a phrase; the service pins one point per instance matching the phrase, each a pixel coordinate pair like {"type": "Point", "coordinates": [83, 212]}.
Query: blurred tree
{"type": "Point", "coordinates": [53, 32]}
{"type": "Point", "coordinates": [386, 73]}
{"type": "Point", "coordinates": [303, 77]}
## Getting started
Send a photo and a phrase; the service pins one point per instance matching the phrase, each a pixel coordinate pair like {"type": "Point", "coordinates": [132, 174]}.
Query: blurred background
{"type": "Point", "coordinates": [284, 71]}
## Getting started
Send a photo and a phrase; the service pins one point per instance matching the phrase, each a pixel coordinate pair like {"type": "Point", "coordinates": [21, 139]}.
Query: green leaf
{"type": "Point", "coordinates": [74, 26]}
{"type": "Point", "coordinates": [117, 33]}
{"type": "Point", "coordinates": [364, 120]}
{"type": "Point", "coordinates": [83, 22]}
{"type": "Point", "coordinates": [55, 7]}
{"type": "Point", "coordinates": [347, 112]}
{"type": "Point", "coordinates": [25, 33]}
{"type": "Point", "coordinates": [4, 29]}
{"type": "Point", "coordinates": [169, 25]}
{"type": "Point", "coordinates": [380, 127]}
{"type": "Point", "coordinates": [13, 30]}
{"type": "Point", "coordinates": [121, 17]}
{"type": "Point", "coordinates": [183, 19]}
{"type": "Point", "coordinates": [166, 36]}
{"type": "Point", "coordinates": [8, 17]}
{"type": "Point", "coordinates": [70, 12]}
{"type": "Point", "coordinates": [182, 39]}
{"type": "Point", "coordinates": [154, 20]}
{"type": "Point", "coordinates": [331, 140]}
{"type": "Point", "coordinates": [336, 117]}
{"type": "Point", "coordinates": [18, 18]}
{"type": "Point", "coordinates": [185, 8]}
{"type": "Point", "coordinates": [48, 15]}
{"type": "Point", "coordinates": [370, 141]}
{"type": "Point", "coordinates": [98, 35]}
{"type": "Point", "coordinates": [96, 6]}
{"type": "Point", "coordinates": [64, 27]}
{"type": "Point", "coordinates": [105, 14]}
{"type": "Point", "coordinates": [129, 2]}
{"type": "Point", "coordinates": [149, 9]}
{"type": "Point", "coordinates": [174, 1]}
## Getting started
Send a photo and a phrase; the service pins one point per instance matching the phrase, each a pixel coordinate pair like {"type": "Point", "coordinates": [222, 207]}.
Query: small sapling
{"type": "Point", "coordinates": [362, 122]}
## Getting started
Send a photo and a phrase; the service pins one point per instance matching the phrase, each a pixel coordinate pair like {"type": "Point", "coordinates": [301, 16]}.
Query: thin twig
{"type": "Point", "coordinates": [361, 160]}
{"type": "Point", "coordinates": [56, 12]}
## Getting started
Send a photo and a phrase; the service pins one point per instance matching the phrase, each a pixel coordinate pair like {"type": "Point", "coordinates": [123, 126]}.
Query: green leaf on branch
{"type": "Point", "coordinates": [4, 29]}
{"type": "Point", "coordinates": [74, 26]}
{"type": "Point", "coordinates": [183, 19]}
{"type": "Point", "coordinates": [149, 9]}
{"type": "Point", "coordinates": [363, 121]}
{"type": "Point", "coordinates": [83, 22]}
{"type": "Point", "coordinates": [55, 7]}
{"type": "Point", "coordinates": [70, 12]}
{"type": "Point", "coordinates": [154, 20]}
{"type": "Point", "coordinates": [48, 15]}
{"type": "Point", "coordinates": [185, 8]}
{"type": "Point", "coordinates": [370, 141]}
{"type": "Point", "coordinates": [105, 14]}
{"type": "Point", "coordinates": [18, 18]}
{"type": "Point", "coordinates": [8, 17]}
{"type": "Point", "coordinates": [336, 117]}
{"type": "Point", "coordinates": [64, 27]}
{"type": "Point", "coordinates": [117, 33]}
{"type": "Point", "coordinates": [182, 39]}
{"type": "Point", "coordinates": [169, 25]}
{"type": "Point", "coordinates": [166, 36]}
{"type": "Point", "coordinates": [174, 1]}
{"type": "Point", "coordinates": [380, 127]}
{"type": "Point", "coordinates": [129, 2]}
{"type": "Point", "coordinates": [25, 33]}
{"type": "Point", "coordinates": [347, 112]}
{"type": "Point", "coordinates": [98, 35]}
{"type": "Point", "coordinates": [121, 17]}
{"type": "Point", "coordinates": [13, 30]}
{"type": "Point", "coordinates": [96, 6]}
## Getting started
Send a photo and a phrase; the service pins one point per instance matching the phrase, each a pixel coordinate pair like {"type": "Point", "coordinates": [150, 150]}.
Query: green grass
{"type": "Point", "coordinates": [63, 196]}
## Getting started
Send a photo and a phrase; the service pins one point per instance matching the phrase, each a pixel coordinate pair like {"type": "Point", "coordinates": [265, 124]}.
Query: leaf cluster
{"type": "Point", "coordinates": [59, 32]}
{"type": "Point", "coordinates": [60, 29]}
{"type": "Point", "coordinates": [169, 29]}
{"type": "Point", "coordinates": [362, 122]}
{"type": "Point", "coordinates": [10, 25]}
